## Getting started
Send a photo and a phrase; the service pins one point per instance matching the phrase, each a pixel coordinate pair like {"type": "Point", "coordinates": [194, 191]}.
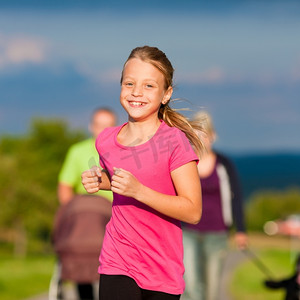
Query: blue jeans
{"type": "Point", "coordinates": [204, 256]}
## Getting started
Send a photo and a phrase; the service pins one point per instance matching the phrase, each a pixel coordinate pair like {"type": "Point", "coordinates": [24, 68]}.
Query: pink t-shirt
{"type": "Point", "coordinates": [140, 242]}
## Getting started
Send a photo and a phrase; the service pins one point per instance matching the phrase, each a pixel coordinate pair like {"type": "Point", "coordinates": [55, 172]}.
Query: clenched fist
{"type": "Point", "coordinates": [91, 179]}
{"type": "Point", "coordinates": [124, 183]}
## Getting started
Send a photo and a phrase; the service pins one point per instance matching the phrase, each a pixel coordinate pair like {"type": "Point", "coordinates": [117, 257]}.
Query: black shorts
{"type": "Point", "coordinates": [120, 287]}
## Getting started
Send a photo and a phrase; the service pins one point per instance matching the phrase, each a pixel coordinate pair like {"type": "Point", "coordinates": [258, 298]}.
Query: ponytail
{"type": "Point", "coordinates": [174, 119]}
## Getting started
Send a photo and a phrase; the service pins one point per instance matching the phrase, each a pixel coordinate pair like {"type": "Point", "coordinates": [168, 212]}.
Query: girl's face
{"type": "Point", "coordinates": [143, 90]}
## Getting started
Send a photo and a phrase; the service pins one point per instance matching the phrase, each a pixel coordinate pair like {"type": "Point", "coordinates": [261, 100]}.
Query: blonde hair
{"type": "Point", "coordinates": [205, 119]}
{"type": "Point", "coordinates": [172, 118]}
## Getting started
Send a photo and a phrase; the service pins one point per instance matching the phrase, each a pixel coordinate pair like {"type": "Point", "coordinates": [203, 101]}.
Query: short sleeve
{"type": "Point", "coordinates": [99, 147]}
{"type": "Point", "coordinates": [181, 151]}
{"type": "Point", "coordinates": [101, 163]}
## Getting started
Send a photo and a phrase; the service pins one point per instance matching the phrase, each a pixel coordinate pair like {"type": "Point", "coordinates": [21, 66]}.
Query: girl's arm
{"type": "Point", "coordinates": [95, 179]}
{"type": "Point", "coordinates": [186, 206]}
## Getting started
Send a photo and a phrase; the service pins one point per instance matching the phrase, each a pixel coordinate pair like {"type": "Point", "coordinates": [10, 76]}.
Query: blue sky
{"type": "Point", "coordinates": [239, 60]}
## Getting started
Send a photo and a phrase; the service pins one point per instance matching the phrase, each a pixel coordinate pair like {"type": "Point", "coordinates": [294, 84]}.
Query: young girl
{"type": "Point", "coordinates": [151, 167]}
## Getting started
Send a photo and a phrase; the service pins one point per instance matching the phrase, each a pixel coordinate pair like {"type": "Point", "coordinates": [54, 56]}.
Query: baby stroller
{"type": "Point", "coordinates": [77, 239]}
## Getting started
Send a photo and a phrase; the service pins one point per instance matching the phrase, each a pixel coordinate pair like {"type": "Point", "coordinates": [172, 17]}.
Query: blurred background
{"type": "Point", "coordinates": [60, 59]}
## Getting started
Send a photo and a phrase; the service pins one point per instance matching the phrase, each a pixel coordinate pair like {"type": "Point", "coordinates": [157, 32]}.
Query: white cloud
{"type": "Point", "coordinates": [17, 50]}
{"type": "Point", "coordinates": [99, 75]}
{"type": "Point", "coordinates": [218, 75]}
{"type": "Point", "coordinates": [112, 75]}
{"type": "Point", "coordinates": [212, 75]}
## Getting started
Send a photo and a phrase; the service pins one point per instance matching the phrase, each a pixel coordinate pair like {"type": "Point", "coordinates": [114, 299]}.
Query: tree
{"type": "Point", "coordinates": [271, 205]}
{"type": "Point", "coordinates": [28, 182]}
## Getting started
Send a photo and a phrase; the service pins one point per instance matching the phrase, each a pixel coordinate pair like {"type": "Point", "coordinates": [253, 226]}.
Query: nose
{"type": "Point", "coordinates": [137, 90]}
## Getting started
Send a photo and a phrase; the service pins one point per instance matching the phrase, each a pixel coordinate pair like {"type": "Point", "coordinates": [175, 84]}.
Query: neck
{"type": "Point", "coordinates": [135, 133]}
{"type": "Point", "coordinates": [206, 164]}
{"type": "Point", "coordinates": [146, 127]}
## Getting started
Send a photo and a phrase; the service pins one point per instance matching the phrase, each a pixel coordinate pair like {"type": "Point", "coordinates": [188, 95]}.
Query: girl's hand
{"type": "Point", "coordinates": [91, 179]}
{"type": "Point", "coordinates": [124, 183]}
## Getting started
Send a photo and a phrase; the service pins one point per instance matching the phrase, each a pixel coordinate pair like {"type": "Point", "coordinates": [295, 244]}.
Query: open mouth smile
{"type": "Point", "coordinates": [136, 103]}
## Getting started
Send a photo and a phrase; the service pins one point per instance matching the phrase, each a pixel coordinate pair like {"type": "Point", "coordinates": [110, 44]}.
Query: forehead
{"type": "Point", "coordinates": [103, 116]}
{"type": "Point", "coordinates": [136, 67]}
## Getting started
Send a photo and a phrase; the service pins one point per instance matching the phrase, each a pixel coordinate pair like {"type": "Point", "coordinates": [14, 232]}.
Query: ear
{"type": "Point", "coordinates": [167, 95]}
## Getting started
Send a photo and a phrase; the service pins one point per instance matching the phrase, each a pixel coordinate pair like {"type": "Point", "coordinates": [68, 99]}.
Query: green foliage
{"type": "Point", "coordinates": [271, 205]}
{"type": "Point", "coordinates": [28, 182]}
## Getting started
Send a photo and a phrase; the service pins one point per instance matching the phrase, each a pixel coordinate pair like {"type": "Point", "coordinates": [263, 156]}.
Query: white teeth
{"type": "Point", "coordinates": [136, 103]}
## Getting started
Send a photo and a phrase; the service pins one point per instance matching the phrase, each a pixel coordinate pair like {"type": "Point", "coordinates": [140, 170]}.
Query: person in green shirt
{"type": "Point", "coordinates": [76, 266]}
{"type": "Point", "coordinates": [81, 155]}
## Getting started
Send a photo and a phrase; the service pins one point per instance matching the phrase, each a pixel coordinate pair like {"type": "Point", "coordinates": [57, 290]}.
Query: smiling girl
{"type": "Point", "coordinates": [151, 168]}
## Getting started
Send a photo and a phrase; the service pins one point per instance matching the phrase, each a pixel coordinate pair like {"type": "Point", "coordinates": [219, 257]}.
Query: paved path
{"type": "Point", "coordinates": [232, 260]}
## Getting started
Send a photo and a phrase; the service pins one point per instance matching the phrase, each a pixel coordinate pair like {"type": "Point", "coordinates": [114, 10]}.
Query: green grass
{"type": "Point", "coordinates": [21, 278]}
{"type": "Point", "coordinates": [248, 280]}
{"type": "Point", "coordinates": [30, 276]}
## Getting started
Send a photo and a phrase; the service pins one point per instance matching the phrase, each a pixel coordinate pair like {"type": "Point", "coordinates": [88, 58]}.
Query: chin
{"type": "Point", "coordinates": [135, 118]}
{"type": "Point", "coordinates": [136, 115]}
